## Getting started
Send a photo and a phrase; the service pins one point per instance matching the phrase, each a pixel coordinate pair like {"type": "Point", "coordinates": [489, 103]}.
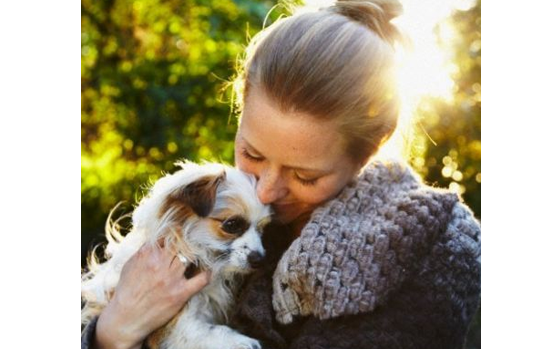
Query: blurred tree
{"type": "Point", "coordinates": [151, 74]}
{"type": "Point", "coordinates": [449, 132]}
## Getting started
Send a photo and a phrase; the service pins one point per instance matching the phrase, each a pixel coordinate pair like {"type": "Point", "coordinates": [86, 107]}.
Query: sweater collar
{"type": "Point", "coordinates": [346, 258]}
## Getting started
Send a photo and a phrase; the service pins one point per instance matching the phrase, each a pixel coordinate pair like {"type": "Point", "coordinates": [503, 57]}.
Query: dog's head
{"type": "Point", "coordinates": [209, 213]}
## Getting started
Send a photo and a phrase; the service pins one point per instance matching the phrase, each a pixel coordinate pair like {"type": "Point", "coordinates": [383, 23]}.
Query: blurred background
{"type": "Point", "coordinates": [152, 92]}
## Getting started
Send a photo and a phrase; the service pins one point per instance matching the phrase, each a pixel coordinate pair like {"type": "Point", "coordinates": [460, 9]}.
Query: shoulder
{"type": "Point", "coordinates": [463, 221]}
{"type": "Point", "coordinates": [435, 215]}
{"type": "Point", "coordinates": [396, 186]}
{"type": "Point", "coordinates": [390, 199]}
{"type": "Point", "coordinates": [383, 186]}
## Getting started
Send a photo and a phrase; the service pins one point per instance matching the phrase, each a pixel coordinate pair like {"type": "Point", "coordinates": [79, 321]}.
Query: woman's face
{"type": "Point", "coordinates": [298, 160]}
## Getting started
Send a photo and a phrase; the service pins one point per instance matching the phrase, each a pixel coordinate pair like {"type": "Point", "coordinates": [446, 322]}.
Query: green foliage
{"type": "Point", "coordinates": [453, 158]}
{"type": "Point", "coordinates": [151, 77]}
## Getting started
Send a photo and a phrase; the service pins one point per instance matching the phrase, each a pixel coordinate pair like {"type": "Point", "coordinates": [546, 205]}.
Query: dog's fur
{"type": "Point", "coordinates": [208, 213]}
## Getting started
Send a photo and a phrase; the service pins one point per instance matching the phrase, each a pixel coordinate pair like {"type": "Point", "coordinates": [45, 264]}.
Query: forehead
{"type": "Point", "coordinates": [293, 138]}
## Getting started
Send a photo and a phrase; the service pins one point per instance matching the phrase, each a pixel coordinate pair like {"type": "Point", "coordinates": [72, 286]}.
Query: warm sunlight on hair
{"type": "Point", "coordinates": [425, 68]}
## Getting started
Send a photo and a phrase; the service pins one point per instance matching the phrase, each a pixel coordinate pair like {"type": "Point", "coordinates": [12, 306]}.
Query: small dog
{"type": "Point", "coordinates": [210, 215]}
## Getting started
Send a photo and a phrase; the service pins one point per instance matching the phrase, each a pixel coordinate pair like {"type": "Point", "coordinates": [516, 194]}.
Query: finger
{"type": "Point", "coordinates": [176, 265]}
{"type": "Point", "coordinates": [168, 249]}
{"type": "Point", "coordinates": [196, 283]}
{"type": "Point", "coordinates": [143, 248]}
{"type": "Point", "coordinates": [151, 254]}
{"type": "Point", "coordinates": [140, 254]}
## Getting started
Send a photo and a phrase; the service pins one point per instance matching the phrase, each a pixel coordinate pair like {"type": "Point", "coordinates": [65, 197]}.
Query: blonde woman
{"type": "Point", "coordinates": [363, 254]}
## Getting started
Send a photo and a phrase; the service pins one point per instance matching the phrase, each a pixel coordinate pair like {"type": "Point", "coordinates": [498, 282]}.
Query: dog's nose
{"type": "Point", "coordinates": [255, 259]}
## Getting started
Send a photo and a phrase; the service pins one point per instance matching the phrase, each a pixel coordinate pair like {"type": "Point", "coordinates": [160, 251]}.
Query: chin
{"type": "Point", "coordinates": [210, 215]}
{"type": "Point", "coordinates": [290, 216]}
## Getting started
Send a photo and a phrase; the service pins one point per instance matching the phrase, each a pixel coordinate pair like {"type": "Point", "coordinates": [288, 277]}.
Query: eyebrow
{"type": "Point", "coordinates": [317, 171]}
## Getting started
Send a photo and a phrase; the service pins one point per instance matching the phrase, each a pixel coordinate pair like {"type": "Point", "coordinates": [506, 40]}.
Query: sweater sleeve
{"type": "Point", "coordinates": [390, 327]}
{"type": "Point", "coordinates": [88, 333]}
{"type": "Point", "coordinates": [414, 318]}
{"type": "Point", "coordinates": [352, 332]}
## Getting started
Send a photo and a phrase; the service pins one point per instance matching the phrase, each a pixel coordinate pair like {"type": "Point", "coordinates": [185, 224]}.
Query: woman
{"type": "Point", "coordinates": [364, 255]}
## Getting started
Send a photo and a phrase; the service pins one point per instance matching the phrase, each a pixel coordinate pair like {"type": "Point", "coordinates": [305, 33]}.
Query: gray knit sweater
{"type": "Point", "coordinates": [391, 263]}
{"type": "Point", "coordinates": [360, 247]}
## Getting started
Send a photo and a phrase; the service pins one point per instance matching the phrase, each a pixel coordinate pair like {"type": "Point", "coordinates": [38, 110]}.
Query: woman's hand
{"type": "Point", "coordinates": [152, 290]}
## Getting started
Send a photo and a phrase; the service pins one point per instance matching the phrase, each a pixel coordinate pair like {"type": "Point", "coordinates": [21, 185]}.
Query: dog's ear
{"type": "Point", "coordinates": [197, 198]}
{"type": "Point", "coordinates": [200, 194]}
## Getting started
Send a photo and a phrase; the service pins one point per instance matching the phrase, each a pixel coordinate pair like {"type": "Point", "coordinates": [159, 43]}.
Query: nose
{"type": "Point", "coordinates": [269, 187]}
{"type": "Point", "coordinates": [255, 259]}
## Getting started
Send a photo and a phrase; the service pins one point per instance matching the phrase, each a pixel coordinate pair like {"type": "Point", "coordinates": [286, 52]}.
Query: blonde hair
{"type": "Point", "coordinates": [337, 64]}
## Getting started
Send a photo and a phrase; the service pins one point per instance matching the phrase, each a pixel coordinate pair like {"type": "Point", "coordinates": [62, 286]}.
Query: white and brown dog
{"type": "Point", "coordinates": [211, 216]}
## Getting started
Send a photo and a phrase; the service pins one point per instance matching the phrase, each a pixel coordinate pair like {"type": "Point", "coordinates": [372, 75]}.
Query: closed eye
{"type": "Point", "coordinates": [251, 157]}
{"type": "Point", "coordinates": [305, 181]}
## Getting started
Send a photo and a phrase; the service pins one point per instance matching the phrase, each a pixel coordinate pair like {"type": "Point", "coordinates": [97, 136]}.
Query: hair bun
{"type": "Point", "coordinates": [374, 14]}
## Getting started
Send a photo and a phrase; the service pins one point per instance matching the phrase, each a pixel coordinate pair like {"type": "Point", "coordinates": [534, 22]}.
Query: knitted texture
{"type": "Point", "coordinates": [361, 246]}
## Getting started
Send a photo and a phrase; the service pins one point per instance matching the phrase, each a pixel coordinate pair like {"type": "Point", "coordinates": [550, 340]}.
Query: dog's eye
{"type": "Point", "coordinates": [235, 225]}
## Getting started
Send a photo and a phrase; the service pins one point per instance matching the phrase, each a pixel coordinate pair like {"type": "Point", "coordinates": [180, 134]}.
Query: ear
{"type": "Point", "coordinates": [200, 194]}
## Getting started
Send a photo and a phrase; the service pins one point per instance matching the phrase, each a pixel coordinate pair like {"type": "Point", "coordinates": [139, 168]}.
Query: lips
{"type": "Point", "coordinates": [282, 206]}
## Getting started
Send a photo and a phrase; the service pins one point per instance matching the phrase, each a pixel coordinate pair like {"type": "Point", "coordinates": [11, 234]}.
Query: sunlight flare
{"type": "Point", "coordinates": [425, 68]}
